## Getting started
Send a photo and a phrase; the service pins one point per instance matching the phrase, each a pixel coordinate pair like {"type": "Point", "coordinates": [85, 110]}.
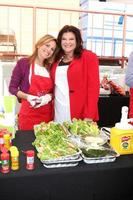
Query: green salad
{"type": "Point", "coordinates": [51, 142]}
{"type": "Point", "coordinates": [82, 127]}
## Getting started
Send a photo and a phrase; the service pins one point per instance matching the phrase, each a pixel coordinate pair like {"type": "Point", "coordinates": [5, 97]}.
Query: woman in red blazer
{"type": "Point", "coordinates": [76, 77]}
{"type": "Point", "coordinates": [131, 104]}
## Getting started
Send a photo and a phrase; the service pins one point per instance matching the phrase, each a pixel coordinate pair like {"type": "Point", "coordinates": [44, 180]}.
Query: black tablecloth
{"type": "Point", "coordinates": [104, 181]}
{"type": "Point", "coordinates": [110, 109]}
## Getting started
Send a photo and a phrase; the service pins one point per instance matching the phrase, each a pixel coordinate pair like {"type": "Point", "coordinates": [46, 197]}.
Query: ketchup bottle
{"type": "Point", "coordinates": [30, 154]}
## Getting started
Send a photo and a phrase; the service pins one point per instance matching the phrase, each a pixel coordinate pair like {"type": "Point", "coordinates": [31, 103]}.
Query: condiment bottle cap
{"type": "Point", "coordinates": [30, 153]}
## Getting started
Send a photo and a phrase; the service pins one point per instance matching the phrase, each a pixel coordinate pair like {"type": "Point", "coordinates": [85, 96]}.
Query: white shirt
{"type": "Point", "coordinates": [62, 103]}
{"type": "Point", "coordinates": [38, 70]}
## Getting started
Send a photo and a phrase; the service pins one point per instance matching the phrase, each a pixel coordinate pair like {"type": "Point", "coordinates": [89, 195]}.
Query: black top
{"type": "Point", "coordinates": [61, 63]}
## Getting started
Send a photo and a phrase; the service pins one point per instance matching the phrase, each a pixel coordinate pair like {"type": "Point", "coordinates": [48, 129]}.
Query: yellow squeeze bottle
{"type": "Point", "coordinates": [121, 136]}
{"type": "Point", "coordinates": [14, 158]}
{"type": "Point", "coordinates": [7, 141]}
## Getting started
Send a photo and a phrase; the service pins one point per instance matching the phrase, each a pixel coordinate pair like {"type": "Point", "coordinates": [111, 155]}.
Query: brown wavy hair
{"type": "Point", "coordinates": [79, 41]}
{"type": "Point", "coordinates": [44, 40]}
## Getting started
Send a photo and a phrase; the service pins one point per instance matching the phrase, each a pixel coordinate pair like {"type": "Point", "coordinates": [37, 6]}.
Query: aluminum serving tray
{"type": "Point", "coordinates": [64, 159]}
{"type": "Point", "coordinates": [67, 163]}
{"type": "Point", "coordinates": [105, 159]}
{"type": "Point", "coordinates": [98, 160]}
{"type": "Point", "coordinates": [61, 165]}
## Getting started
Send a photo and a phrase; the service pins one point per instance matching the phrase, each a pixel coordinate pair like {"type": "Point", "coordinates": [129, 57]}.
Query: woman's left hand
{"type": "Point", "coordinates": [43, 100]}
{"type": "Point", "coordinates": [88, 119]}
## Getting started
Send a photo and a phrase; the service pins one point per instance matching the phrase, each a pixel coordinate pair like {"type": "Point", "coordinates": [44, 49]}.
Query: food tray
{"type": "Point", "coordinates": [108, 158]}
{"type": "Point", "coordinates": [64, 159]}
{"type": "Point", "coordinates": [98, 160]}
{"type": "Point", "coordinates": [63, 163]}
{"type": "Point", "coordinates": [60, 165]}
{"type": "Point", "coordinates": [81, 142]}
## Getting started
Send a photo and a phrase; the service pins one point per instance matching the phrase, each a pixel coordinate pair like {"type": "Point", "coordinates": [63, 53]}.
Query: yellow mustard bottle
{"type": "Point", "coordinates": [121, 136]}
{"type": "Point", "coordinates": [7, 141]}
{"type": "Point", "coordinates": [14, 158]}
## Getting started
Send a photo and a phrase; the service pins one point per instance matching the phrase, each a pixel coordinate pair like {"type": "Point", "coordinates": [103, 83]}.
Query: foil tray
{"type": "Point", "coordinates": [98, 160]}
{"type": "Point", "coordinates": [104, 159]}
{"type": "Point", "coordinates": [62, 163]}
{"type": "Point", "coordinates": [63, 159]}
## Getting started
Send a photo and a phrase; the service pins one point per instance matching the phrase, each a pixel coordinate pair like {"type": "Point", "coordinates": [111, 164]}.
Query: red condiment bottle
{"type": "Point", "coordinates": [1, 139]}
{"type": "Point", "coordinates": [30, 154]}
{"type": "Point", "coordinates": [2, 132]}
{"type": "Point", "coordinates": [5, 166]}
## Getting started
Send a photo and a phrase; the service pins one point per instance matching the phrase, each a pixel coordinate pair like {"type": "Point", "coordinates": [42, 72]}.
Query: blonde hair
{"type": "Point", "coordinates": [43, 40]}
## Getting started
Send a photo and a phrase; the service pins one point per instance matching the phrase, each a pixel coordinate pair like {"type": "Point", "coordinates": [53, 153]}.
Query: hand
{"type": "Point", "coordinates": [44, 100]}
{"type": "Point", "coordinates": [33, 100]}
{"type": "Point", "coordinates": [88, 119]}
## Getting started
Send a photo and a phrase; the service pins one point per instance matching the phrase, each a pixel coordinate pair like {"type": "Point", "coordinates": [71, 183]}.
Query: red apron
{"type": "Point", "coordinates": [131, 104]}
{"type": "Point", "coordinates": [29, 116]}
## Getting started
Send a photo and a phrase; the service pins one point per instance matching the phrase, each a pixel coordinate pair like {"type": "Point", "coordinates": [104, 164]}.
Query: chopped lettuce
{"type": "Point", "coordinates": [51, 142]}
{"type": "Point", "coordinates": [82, 127]}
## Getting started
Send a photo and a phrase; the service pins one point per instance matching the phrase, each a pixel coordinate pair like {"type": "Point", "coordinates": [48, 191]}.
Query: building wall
{"type": "Point", "coordinates": [121, 1]}
{"type": "Point", "coordinates": [29, 27]}
{"type": "Point", "coordinates": [49, 3]}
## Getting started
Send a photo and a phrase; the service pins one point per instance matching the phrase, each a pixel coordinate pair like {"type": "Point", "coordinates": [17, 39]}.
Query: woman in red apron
{"type": "Point", "coordinates": [33, 86]}
{"type": "Point", "coordinates": [30, 116]}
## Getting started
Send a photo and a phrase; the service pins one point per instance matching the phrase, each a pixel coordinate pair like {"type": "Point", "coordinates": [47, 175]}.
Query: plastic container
{"type": "Point", "coordinates": [121, 136]}
{"type": "Point", "coordinates": [14, 158]}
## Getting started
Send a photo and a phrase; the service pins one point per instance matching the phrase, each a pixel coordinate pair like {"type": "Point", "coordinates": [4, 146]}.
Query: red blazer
{"type": "Point", "coordinates": [131, 103]}
{"type": "Point", "coordinates": [84, 85]}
